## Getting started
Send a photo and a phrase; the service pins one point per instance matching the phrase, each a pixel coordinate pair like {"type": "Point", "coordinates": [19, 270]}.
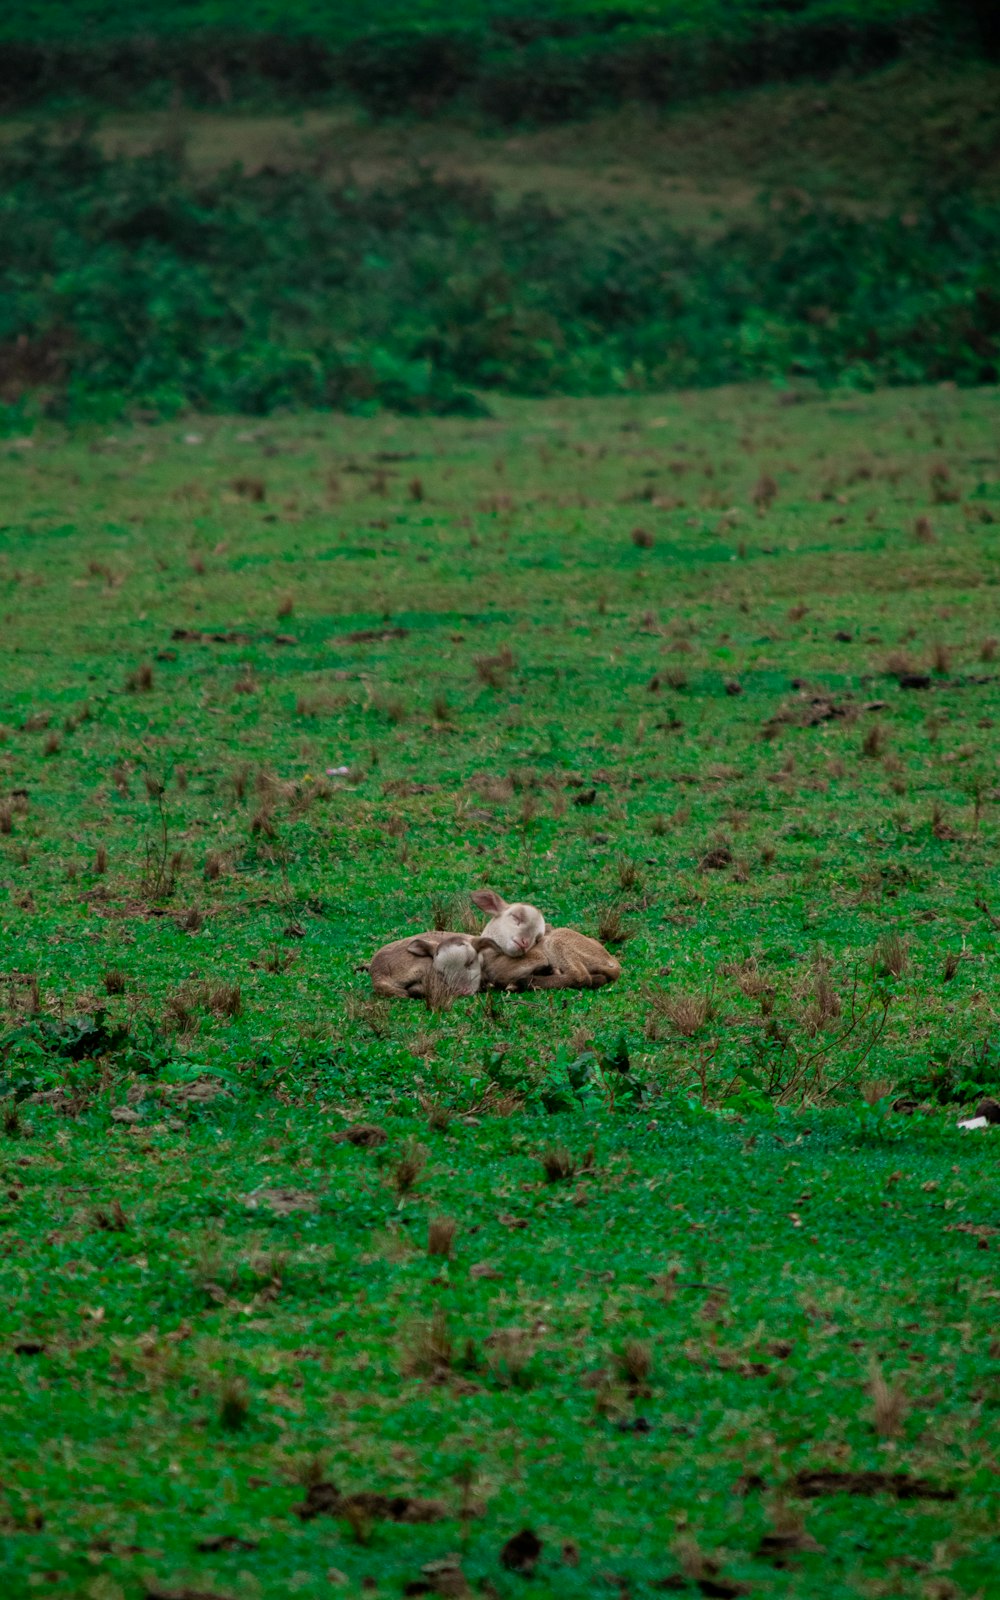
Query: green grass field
{"type": "Point", "coordinates": [711, 676]}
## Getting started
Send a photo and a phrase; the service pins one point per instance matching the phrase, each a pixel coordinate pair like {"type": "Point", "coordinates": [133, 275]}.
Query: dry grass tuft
{"type": "Point", "coordinates": [889, 1404]}
{"type": "Point", "coordinates": [427, 1349]}
{"type": "Point", "coordinates": [558, 1164]}
{"type": "Point", "coordinates": [923, 531]}
{"type": "Point", "coordinates": [441, 1233]}
{"type": "Point", "coordinates": [254, 489]}
{"type": "Point", "coordinates": [495, 671]}
{"type": "Point", "coordinates": [214, 863]}
{"type": "Point", "coordinates": [611, 927]}
{"type": "Point", "coordinates": [765, 492]}
{"type": "Point", "coordinates": [824, 1005]}
{"type": "Point", "coordinates": [898, 664]}
{"type": "Point", "coordinates": [440, 709]}
{"type": "Point", "coordinates": [944, 492]}
{"type": "Point", "coordinates": [446, 909]}
{"type": "Point", "coordinates": [750, 980]}
{"type": "Point", "coordinates": [989, 649]}
{"type": "Point", "coordinates": [629, 876]}
{"type": "Point", "coordinates": [940, 658]}
{"type": "Point", "coordinates": [391, 706]}
{"type": "Point", "coordinates": [891, 957]}
{"type": "Point", "coordinates": [262, 822]}
{"type": "Point", "coordinates": [686, 1013]}
{"type": "Point", "coordinates": [875, 741]}
{"type": "Point", "coordinates": [635, 1363]}
{"type": "Point", "coordinates": [508, 1354]}
{"type": "Point", "coordinates": [223, 1000]}
{"type": "Point", "coordinates": [115, 981]}
{"type": "Point", "coordinates": [234, 1405]}
{"type": "Point", "coordinates": [141, 680]}
{"type": "Point", "coordinates": [642, 538]}
{"type": "Point", "coordinates": [875, 1089]}
{"type": "Point", "coordinates": [411, 1163]}
{"type": "Point", "coordinates": [112, 1220]}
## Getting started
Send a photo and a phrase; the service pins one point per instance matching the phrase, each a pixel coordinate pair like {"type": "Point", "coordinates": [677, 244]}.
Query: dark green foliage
{"type": "Point", "coordinates": [513, 63]}
{"type": "Point", "coordinates": [76, 1039]}
{"type": "Point", "coordinates": [959, 1075]}
{"type": "Point", "coordinates": [135, 282]}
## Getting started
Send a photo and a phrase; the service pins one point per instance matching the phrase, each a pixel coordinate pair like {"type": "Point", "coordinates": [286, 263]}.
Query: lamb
{"type": "Point", "coordinates": [514, 929]}
{"type": "Point", "coordinates": [516, 950]}
{"type": "Point", "coordinates": [562, 959]}
{"type": "Point", "coordinates": [437, 967]}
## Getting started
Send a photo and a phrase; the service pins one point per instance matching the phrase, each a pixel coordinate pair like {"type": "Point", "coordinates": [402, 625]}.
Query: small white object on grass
{"type": "Point", "coordinates": [975, 1122]}
{"type": "Point", "coordinates": [337, 772]}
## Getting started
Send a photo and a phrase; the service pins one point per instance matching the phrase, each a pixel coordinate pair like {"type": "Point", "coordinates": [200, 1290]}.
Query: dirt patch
{"type": "Point", "coordinates": [225, 1541]}
{"type": "Point", "coordinates": [371, 636]}
{"type": "Point", "coordinates": [443, 1577]}
{"type": "Point", "coordinates": [521, 1553]}
{"type": "Point", "coordinates": [326, 1500]}
{"type": "Point", "coordinates": [810, 1485]}
{"type": "Point", "coordinates": [185, 1594]}
{"type": "Point", "coordinates": [198, 1092]}
{"type": "Point", "coordinates": [195, 636]}
{"type": "Point", "coordinates": [231, 636]}
{"type": "Point", "coordinates": [365, 1135]}
{"type": "Point", "coordinates": [281, 1201]}
{"type": "Point", "coordinates": [778, 1547]}
{"type": "Point", "coordinates": [812, 710]}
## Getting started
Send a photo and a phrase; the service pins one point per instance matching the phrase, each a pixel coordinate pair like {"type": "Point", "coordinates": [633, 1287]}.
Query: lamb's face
{"type": "Point", "coordinates": [456, 964]}
{"type": "Point", "coordinates": [517, 929]}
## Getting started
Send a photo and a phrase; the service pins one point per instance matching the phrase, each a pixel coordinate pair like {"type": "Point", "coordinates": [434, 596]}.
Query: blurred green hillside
{"type": "Point", "coordinates": [509, 61]}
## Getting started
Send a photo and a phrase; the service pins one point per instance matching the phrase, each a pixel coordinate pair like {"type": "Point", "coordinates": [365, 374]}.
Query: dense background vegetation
{"type": "Point", "coordinates": [134, 282]}
{"type": "Point", "coordinates": [508, 61]}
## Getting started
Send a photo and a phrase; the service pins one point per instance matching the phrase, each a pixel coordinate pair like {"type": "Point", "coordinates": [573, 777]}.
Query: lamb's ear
{"type": "Point", "coordinates": [420, 947]}
{"type": "Point", "coordinates": [489, 900]}
{"type": "Point", "coordinates": [487, 944]}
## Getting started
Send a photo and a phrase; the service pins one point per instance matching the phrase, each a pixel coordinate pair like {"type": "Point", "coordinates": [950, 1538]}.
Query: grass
{"type": "Point", "coordinates": [563, 1293]}
{"type": "Point", "coordinates": [860, 142]}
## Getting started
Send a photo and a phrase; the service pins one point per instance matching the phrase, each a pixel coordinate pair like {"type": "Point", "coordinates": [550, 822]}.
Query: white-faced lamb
{"type": "Point", "coordinates": [433, 966]}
